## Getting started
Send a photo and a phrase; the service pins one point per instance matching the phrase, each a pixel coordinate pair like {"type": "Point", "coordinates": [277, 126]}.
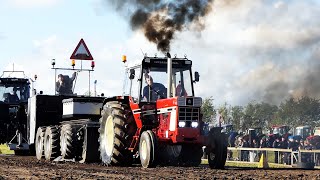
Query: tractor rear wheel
{"type": "Point", "coordinates": [68, 141]}
{"type": "Point", "coordinates": [117, 128]}
{"type": "Point", "coordinates": [51, 143]}
{"type": "Point", "coordinates": [169, 154]}
{"type": "Point", "coordinates": [190, 155]}
{"type": "Point", "coordinates": [147, 149]}
{"type": "Point", "coordinates": [90, 145]}
{"type": "Point", "coordinates": [39, 142]}
{"type": "Point", "coordinates": [218, 154]}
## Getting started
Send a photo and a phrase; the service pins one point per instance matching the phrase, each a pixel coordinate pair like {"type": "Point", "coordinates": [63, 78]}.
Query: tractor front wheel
{"type": "Point", "coordinates": [217, 151]}
{"type": "Point", "coordinates": [147, 149]}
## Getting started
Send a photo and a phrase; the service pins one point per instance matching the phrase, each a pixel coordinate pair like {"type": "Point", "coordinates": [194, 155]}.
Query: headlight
{"type": "Point", "coordinates": [182, 124]}
{"type": "Point", "coordinates": [194, 124]}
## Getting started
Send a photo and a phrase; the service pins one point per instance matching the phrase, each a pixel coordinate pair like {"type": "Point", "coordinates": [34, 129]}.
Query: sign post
{"type": "Point", "coordinates": [81, 52]}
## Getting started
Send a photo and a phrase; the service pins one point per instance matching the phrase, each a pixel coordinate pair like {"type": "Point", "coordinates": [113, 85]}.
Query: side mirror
{"type": "Point", "coordinates": [196, 76]}
{"type": "Point", "coordinates": [132, 74]}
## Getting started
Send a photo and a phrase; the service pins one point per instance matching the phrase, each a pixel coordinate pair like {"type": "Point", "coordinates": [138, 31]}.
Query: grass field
{"type": "Point", "coordinates": [4, 149]}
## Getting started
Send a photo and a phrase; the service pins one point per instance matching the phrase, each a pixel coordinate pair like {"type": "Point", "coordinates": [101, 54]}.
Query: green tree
{"type": "Point", "coordinates": [208, 110]}
{"type": "Point", "coordinates": [297, 112]}
{"type": "Point", "coordinates": [224, 111]}
{"type": "Point", "coordinates": [309, 110]}
{"type": "Point", "coordinates": [258, 115]}
{"type": "Point", "coordinates": [287, 113]}
{"type": "Point", "coordinates": [237, 116]}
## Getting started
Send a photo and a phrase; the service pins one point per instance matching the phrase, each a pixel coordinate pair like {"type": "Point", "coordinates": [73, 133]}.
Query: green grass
{"type": "Point", "coordinates": [248, 164]}
{"type": "Point", "coordinates": [254, 165]}
{"type": "Point", "coordinates": [271, 156]}
{"type": "Point", "coordinates": [4, 149]}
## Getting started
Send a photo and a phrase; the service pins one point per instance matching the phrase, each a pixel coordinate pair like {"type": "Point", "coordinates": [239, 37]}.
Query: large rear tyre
{"type": "Point", "coordinates": [190, 155]}
{"type": "Point", "coordinates": [51, 143]}
{"type": "Point", "coordinates": [68, 141]}
{"type": "Point", "coordinates": [39, 142]}
{"type": "Point", "coordinates": [117, 127]}
{"type": "Point", "coordinates": [90, 145]}
{"type": "Point", "coordinates": [147, 149]}
{"type": "Point", "coordinates": [169, 155]}
{"type": "Point", "coordinates": [217, 153]}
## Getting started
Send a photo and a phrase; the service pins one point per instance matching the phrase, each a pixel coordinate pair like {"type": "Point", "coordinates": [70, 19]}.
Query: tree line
{"type": "Point", "coordinates": [292, 112]}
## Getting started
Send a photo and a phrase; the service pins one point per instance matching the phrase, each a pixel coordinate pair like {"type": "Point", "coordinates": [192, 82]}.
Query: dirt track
{"type": "Point", "coordinates": [28, 168]}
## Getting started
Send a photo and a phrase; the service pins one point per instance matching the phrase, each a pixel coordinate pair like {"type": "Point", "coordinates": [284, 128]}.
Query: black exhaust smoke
{"type": "Point", "coordinates": [161, 19]}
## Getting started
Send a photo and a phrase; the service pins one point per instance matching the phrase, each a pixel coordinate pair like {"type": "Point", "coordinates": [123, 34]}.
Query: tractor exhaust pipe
{"type": "Point", "coordinates": [169, 72]}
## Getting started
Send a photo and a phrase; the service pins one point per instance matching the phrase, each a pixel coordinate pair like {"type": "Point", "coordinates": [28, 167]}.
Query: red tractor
{"type": "Point", "coordinates": [314, 138]}
{"type": "Point", "coordinates": [158, 119]}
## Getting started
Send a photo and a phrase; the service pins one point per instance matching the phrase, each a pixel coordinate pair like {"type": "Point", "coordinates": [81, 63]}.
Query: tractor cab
{"type": "Point", "coordinates": [280, 130]}
{"type": "Point", "coordinates": [158, 87]}
{"type": "Point", "coordinates": [303, 131]}
{"type": "Point", "coordinates": [14, 90]}
{"type": "Point", "coordinates": [151, 81]}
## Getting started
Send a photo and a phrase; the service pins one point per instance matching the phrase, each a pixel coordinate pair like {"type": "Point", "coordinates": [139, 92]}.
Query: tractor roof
{"type": "Point", "coordinates": [14, 81]}
{"type": "Point", "coordinates": [162, 62]}
{"type": "Point", "coordinates": [14, 77]}
{"type": "Point", "coordinates": [159, 63]}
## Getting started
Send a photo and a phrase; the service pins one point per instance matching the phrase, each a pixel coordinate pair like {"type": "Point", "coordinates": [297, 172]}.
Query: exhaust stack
{"type": "Point", "coordinates": [169, 72]}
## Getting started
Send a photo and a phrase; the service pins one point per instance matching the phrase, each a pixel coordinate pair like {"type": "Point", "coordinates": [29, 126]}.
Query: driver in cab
{"type": "Point", "coordinates": [11, 97]}
{"type": "Point", "coordinates": [153, 91]}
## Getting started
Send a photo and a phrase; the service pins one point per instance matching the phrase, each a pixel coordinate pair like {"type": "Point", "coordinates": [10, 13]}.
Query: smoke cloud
{"type": "Point", "coordinates": [257, 51]}
{"type": "Point", "coordinates": [161, 19]}
{"type": "Point", "coordinates": [248, 51]}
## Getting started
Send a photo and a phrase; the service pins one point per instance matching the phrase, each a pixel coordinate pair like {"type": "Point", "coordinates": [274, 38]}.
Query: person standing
{"type": "Point", "coordinates": [276, 144]}
{"type": "Point", "coordinates": [64, 84]}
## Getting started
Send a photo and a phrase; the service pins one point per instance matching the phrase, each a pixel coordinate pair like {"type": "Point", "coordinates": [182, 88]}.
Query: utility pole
{"type": "Point", "coordinates": [95, 88]}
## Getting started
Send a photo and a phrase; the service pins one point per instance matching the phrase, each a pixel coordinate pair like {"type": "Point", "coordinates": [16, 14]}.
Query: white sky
{"type": "Point", "coordinates": [246, 46]}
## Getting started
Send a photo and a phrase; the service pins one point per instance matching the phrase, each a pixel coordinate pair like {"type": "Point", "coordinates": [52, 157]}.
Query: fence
{"type": "Point", "coordinates": [274, 155]}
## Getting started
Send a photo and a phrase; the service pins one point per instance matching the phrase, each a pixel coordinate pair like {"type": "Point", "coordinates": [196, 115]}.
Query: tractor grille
{"type": "Point", "coordinates": [189, 114]}
{"type": "Point", "coordinates": [189, 101]}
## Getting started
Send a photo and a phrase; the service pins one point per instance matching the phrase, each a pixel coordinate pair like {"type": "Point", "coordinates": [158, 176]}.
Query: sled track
{"type": "Point", "coordinates": [14, 167]}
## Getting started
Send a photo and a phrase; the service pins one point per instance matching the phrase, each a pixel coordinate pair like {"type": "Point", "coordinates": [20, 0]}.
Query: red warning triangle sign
{"type": "Point", "coordinates": [81, 52]}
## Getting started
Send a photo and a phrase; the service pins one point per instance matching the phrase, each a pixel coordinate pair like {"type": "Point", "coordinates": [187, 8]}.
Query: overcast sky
{"type": "Point", "coordinates": [250, 49]}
